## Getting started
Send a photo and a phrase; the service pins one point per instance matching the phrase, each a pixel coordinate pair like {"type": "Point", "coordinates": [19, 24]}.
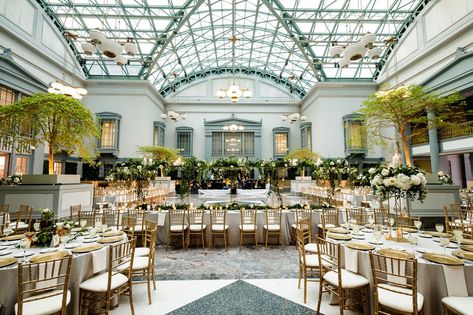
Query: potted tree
{"type": "Point", "coordinates": [59, 121]}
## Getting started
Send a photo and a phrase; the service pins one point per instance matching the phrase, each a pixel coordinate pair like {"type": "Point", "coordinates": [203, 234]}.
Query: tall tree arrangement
{"type": "Point", "coordinates": [405, 109]}
{"type": "Point", "coordinates": [58, 120]}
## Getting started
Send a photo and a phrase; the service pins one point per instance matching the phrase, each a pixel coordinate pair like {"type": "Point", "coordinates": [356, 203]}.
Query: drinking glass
{"type": "Point", "coordinates": [92, 232]}
{"type": "Point", "coordinates": [355, 229]}
{"type": "Point", "coordinates": [391, 221]}
{"type": "Point", "coordinates": [36, 226]}
{"type": "Point", "coordinates": [371, 219]}
{"type": "Point", "coordinates": [439, 227]}
{"type": "Point", "coordinates": [418, 224]}
{"type": "Point", "coordinates": [83, 223]}
{"type": "Point", "coordinates": [444, 241]}
{"type": "Point", "coordinates": [64, 240]}
{"type": "Point", "coordinates": [24, 244]}
{"type": "Point", "coordinates": [458, 235]}
{"type": "Point", "coordinates": [413, 240]}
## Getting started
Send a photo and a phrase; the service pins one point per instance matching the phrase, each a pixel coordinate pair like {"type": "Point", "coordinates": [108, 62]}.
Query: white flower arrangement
{"type": "Point", "coordinates": [444, 178]}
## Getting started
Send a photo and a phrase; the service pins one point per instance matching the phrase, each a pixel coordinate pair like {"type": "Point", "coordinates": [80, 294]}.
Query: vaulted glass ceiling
{"type": "Point", "coordinates": [286, 41]}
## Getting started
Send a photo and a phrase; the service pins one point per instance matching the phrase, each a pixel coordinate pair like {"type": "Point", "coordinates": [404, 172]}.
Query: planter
{"type": "Point", "coordinates": [50, 179]}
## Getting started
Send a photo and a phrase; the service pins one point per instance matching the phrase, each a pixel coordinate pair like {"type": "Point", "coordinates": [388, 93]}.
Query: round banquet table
{"type": "Point", "coordinates": [81, 270]}
{"type": "Point", "coordinates": [430, 276]}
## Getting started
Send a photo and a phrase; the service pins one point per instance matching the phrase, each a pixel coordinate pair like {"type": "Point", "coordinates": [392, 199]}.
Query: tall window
{"type": "Point", "coordinates": [22, 165]}
{"type": "Point", "coordinates": [110, 130]}
{"type": "Point", "coordinates": [306, 135]}
{"type": "Point", "coordinates": [7, 95]}
{"type": "Point", "coordinates": [57, 167]}
{"type": "Point", "coordinates": [158, 135]}
{"type": "Point", "coordinates": [355, 136]}
{"type": "Point", "coordinates": [3, 165]}
{"type": "Point", "coordinates": [233, 144]}
{"type": "Point", "coordinates": [280, 142]}
{"type": "Point", "coordinates": [184, 140]}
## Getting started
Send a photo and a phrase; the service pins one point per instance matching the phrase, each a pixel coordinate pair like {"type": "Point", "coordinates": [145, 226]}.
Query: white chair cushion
{"type": "Point", "coordinates": [197, 227]}
{"type": "Point", "coordinates": [99, 283]}
{"type": "Point", "coordinates": [461, 304]}
{"type": "Point", "coordinates": [328, 225]}
{"type": "Point", "coordinates": [177, 228]}
{"type": "Point", "coordinates": [138, 228]}
{"type": "Point", "coordinates": [247, 227]}
{"type": "Point", "coordinates": [350, 280]}
{"type": "Point", "coordinates": [139, 263]}
{"type": "Point", "coordinates": [46, 306]}
{"type": "Point", "coordinates": [311, 260]}
{"type": "Point", "coordinates": [398, 301]}
{"type": "Point", "coordinates": [272, 227]}
{"type": "Point", "coordinates": [311, 247]}
{"type": "Point", "coordinates": [141, 251]}
{"type": "Point", "coordinates": [219, 227]}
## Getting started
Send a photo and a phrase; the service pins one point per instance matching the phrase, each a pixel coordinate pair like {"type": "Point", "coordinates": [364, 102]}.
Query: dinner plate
{"type": "Point", "coordinates": [443, 259]}
{"type": "Point", "coordinates": [467, 247]}
{"type": "Point", "coordinates": [467, 242]}
{"type": "Point", "coordinates": [13, 237]}
{"type": "Point", "coordinates": [87, 248]}
{"type": "Point", "coordinates": [358, 237]}
{"type": "Point", "coordinates": [7, 261]}
{"type": "Point", "coordinates": [423, 250]}
{"type": "Point", "coordinates": [21, 255]}
{"type": "Point", "coordinates": [89, 240]}
{"type": "Point", "coordinates": [452, 245]}
{"type": "Point", "coordinates": [437, 234]}
{"type": "Point", "coordinates": [376, 243]}
{"type": "Point", "coordinates": [48, 256]}
{"type": "Point", "coordinates": [367, 231]}
{"type": "Point", "coordinates": [5, 252]}
{"type": "Point", "coordinates": [359, 246]}
{"type": "Point", "coordinates": [72, 245]}
{"type": "Point", "coordinates": [49, 250]}
{"type": "Point", "coordinates": [423, 235]}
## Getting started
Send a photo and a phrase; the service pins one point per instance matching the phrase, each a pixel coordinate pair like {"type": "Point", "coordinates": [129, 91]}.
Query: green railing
{"type": "Point", "coordinates": [458, 130]}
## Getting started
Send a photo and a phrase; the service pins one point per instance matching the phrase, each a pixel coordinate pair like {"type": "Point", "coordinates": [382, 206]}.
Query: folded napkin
{"type": "Point", "coordinates": [161, 218]}
{"type": "Point", "coordinates": [99, 259]}
{"type": "Point", "coordinates": [351, 259]}
{"type": "Point", "coordinates": [396, 267]}
{"type": "Point", "coordinates": [455, 279]}
{"type": "Point", "coordinates": [47, 270]}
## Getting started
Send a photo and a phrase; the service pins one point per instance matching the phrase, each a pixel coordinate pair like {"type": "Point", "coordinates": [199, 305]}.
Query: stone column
{"type": "Point", "coordinates": [433, 142]}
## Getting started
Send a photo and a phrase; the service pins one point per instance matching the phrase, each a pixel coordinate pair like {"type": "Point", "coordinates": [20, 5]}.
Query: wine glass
{"type": "Point", "coordinates": [439, 227]}
{"type": "Point", "coordinates": [24, 244]}
{"type": "Point", "coordinates": [458, 235]}
{"type": "Point", "coordinates": [444, 241]}
{"type": "Point", "coordinates": [64, 240]}
{"type": "Point", "coordinates": [92, 232]}
{"type": "Point", "coordinates": [418, 224]}
{"type": "Point", "coordinates": [371, 219]}
{"type": "Point", "coordinates": [36, 226]}
{"type": "Point", "coordinates": [355, 229]}
{"type": "Point", "coordinates": [377, 234]}
{"type": "Point", "coordinates": [83, 223]}
{"type": "Point", "coordinates": [413, 240]}
{"type": "Point", "coordinates": [391, 221]}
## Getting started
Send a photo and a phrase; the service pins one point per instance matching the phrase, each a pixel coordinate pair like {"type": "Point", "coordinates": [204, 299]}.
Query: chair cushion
{"type": "Point", "coordinates": [138, 228]}
{"type": "Point", "coordinates": [398, 301]}
{"type": "Point", "coordinates": [311, 260]}
{"type": "Point", "coordinates": [177, 227]}
{"type": "Point", "coordinates": [139, 263]}
{"type": "Point", "coordinates": [350, 280]}
{"type": "Point", "coordinates": [141, 251]}
{"type": "Point", "coordinates": [247, 227]}
{"type": "Point", "coordinates": [99, 283]}
{"type": "Point", "coordinates": [197, 227]}
{"type": "Point", "coordinates": [311, 247]}
{"type": "Point", "coordinates": [328, 225]}
{"type": "Point", "coordinates": [219, 227]}
{"type": "Point", "coordinates": [272, 227]}
{"type": "Point", "coordinates": [48, 305]}
{"type": "Point", "coordinates": [461, 304]}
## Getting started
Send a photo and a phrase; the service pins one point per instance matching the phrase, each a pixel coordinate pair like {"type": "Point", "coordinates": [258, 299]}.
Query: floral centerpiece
{"type": "Point", "coordinates": [48, 227]}
{"type": "Point", "coordinates": [400, 182]}
{"type": "Point", "coordinates": [333, 171]}
{"type": "Point", "coordinates": [444, 178]}
{"type": "Point", "coordinates": [14, 179]}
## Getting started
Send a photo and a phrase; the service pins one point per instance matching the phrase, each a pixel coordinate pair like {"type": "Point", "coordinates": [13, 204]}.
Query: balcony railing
{"type": "Point", "coordinates": [458, 130]}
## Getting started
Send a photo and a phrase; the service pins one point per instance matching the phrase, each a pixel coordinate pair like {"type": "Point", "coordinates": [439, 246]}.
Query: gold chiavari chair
{"type": "Point", "coordinates": [272, 226]}
{"type": "Point", "coordinates": [395, 284]}
{"type": "Point", "coordinates": [88, 217]}
{"type": "Point", "coordinates": [453, 217]}
{"type": "Point", "coordinates": [74, 213]}
{"type": "Point", "coordinates": [356, 215]}
{"type": "Point", "coordinates": [97, 293]}
{"type": "Point", "coordinates": [309, 246]}
{"type": "Point", "coordinates": [111, 218]}
{"type": "Point", "coordinates": [128, 226]}
{"type": "Point", "coordinates": [308, 262]}
{"type": "Point", "coordinates": [4, 208]}
{"type": "Point", "coordinates": [139, 216]}
{"type": "Point", "coordinates": [380, 215]}
{"type": "Point", "coordinates": [195, 221]}
{"type": "Point", "coordinates": [303, 220]}
{"type": "Point", "coordinates": [218, 226]}
{"type": "Point", "coordinates": [329, 219]}
{"type": "Point", "coordinates": [21, 220]}
{"type": "Point", "coordinates": [248, 225]}
{"type": "Point", "coordinates": [3, 222]}
{"type": "Point", "coordinates": [177, 225]}
{"type": "Point", "coordinates": [351, 288]}
{"type": "Point", "coordinates": [42, 287]}
{"type": "Point", "coordinates": [143, 265]}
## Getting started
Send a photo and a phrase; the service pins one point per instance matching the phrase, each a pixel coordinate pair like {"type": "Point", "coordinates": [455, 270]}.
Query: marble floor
{"type": "Point", "coordinates": [235, 281]}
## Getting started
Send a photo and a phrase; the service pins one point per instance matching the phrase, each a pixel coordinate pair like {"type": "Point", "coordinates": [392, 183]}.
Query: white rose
{"type": "Point", "coordinates": [67, 226]}
{"type": "Point", "coordinates": [332, 164]}
{"type": "Point", "coordinates": [385, 172]}
{"type": "Point", "coordinates": [372, 170]}
{"type": "Point", "coordinates": [59, 224]}
{"type": "Point", "coordinates": [415, 180]}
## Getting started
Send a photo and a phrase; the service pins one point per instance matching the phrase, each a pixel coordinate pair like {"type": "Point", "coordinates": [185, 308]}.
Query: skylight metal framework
{"type": "Point", "coordinates": [286, 41]}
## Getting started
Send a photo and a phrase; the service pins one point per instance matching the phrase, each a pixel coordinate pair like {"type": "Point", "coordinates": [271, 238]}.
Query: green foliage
{"type": "Point", "coordinates": [334, 170]}
{"type": "Point", "coordinates": [58, 120]}
{"type": "Point", "coordinates": [160, 153]}
{"type": "Point", "coordinates": [302, 154]}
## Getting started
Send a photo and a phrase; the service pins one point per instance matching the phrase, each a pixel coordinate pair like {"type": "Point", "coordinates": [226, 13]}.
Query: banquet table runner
{"type": "Point", "coordinates": [455, 280]}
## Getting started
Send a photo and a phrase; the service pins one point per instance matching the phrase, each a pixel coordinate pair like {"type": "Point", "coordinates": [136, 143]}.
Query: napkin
{"type": "Point", "coordinates": [396, 267]}
{"type": "Point", "coordinates": [351, 259]}
{"type": "Point", "coordinates": [46, 271]}
{"type": "Point", "coordinates": [99, 260]}
{"type": "Point", "coordinates": [161, 218]}
{"type": "Point", "coordinates": [455, 279]}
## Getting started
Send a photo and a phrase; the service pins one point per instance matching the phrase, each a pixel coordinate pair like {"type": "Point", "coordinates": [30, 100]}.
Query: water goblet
{"type": "Point", "coordinates": [444, 241]}
{"type": "Point", "coordinates": [355, 229]}
{"type": "Point", "coordinates": [36, 226]}
{"type": "Point", "coordinates": [92, 232]}
{"type": "Point", "coordinates": [391, 221]}
{"type": "Point", "coordinates": [64, 240]}
{"type": "Point", "coordinates": [458, 235]}
{"type": "Point", "coordinates": [24, 244]}
{"type": "Point", "coordinates": [439, 227]}
{"type": "Point", "coordinates": [413, 240]}
{"type": "Point", "coordinates": [418, 224]}
{"type": "Point", "coordinates": [83, 223]}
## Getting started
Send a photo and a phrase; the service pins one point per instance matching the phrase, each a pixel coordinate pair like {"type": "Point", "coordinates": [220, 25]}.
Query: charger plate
{"type": "Point", "coordinates": [112, 239]}
{"type": "Point", "coordinates": [112, 233]}
{"type": "Point", "coordinates": [87, 248]}
{"type": "Point", "coordinates": [395, 253]}
{"type": "Point", "coordinates": [359, 246]}
{"type": "Point", "coordinates": [13, 237]}
{"type": "Point", "coordinates": [467, 247]}
{"type": "Point", "coordinates": [339, 237]}
{"type": "Point", "coordinates": [463, 254]}
{"type": "Point", "coordinates": [48, 256]}
{"type": "Point", "coordinates": [7, 261]}
{"type": "Point", "coordinates": [443, 259]}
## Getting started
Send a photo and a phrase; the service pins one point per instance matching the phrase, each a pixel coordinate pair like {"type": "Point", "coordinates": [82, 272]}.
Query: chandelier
{"type": "Point", "coordinates": [356, 50]}
{"type": "Point", "coordinates": [234, 93]}
{"type": "Point", "coordinates": [109, 48]}
{"type": "Point", "coordinates": [174, 116]}
{"type": "Point", "coordinates": [294, 117]}
{"type": "Point", "coordinates": [59, 88]}
{"type": "Point", "coordinates": [233, 128]}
